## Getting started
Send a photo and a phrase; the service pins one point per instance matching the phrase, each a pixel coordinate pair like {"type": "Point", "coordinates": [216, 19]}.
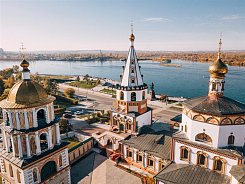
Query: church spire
{"type": "Point", "coordinates": [132, 74]}
{"type": "Point", "coordinates": [217, 75]}
{"type": "Point", "coordinates": [24, 64]}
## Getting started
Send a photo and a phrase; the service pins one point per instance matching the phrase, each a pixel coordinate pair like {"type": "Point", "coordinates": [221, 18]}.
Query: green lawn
{"type": "Point", "coordinates": [84, 84]}
{"type": "Point", "coordinates": [72, 142]}
{"type": "Point", "coordinates": [108, 91]}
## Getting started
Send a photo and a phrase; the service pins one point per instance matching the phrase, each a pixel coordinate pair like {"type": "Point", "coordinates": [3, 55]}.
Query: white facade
{"type": "Point", "coordinates": [218, 133]}
{"type": "Point", "coordinates": [193, 157]}
{"type": "Point", "coordinates": [144, 119]}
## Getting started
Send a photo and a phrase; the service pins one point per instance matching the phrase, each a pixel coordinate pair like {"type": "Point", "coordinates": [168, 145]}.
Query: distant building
{"type": "Point", "coordinates": [131, 111]}
{"type": "Point", "coordinates": [209, 148]}
{"type": "Point", "coordinates": [32, 151]}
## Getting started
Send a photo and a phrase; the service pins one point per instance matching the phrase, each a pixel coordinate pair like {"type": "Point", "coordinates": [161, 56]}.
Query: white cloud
{"type": "Point", "coordinates": [233, 17]}
{"type": "Point", "coordinates": [155, 19]}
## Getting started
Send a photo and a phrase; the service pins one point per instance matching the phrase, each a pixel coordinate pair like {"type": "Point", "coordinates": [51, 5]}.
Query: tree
{"type": "Point", "coordinates": [69, 92]}
{"type": "Point", "coordinates": [1, 86]}
{"type": "Point", "coordinates": [6, 73]}
{"type": "Point", "coordinates": [65, 126]}
{"type": "Point", "coordinates": [86, 77]}
{"type": "Point", "coordinates": [9, 82]}
{"type": "Point", "coordinates": [50, 86]}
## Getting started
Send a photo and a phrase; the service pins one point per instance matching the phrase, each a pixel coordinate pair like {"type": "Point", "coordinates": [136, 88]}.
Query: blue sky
{"type": "Point", "coordinates": [167, 25]}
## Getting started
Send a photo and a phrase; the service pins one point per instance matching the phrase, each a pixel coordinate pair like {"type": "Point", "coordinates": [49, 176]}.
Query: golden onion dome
{"type": "Point", "coordinates": [26, 94]}
{"type": "Point", "coordinates": [218, 68]}
{"type": "Point", "coordinates": [131, 37]}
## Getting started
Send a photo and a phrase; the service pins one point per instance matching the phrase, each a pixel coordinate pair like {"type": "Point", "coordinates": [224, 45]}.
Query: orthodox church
{"type": "Point", "coordinates": [32, 150]}
{"type": "Point", "coordinates": [131, 112]}
{"type": "Point", "coordinates": [209, 148]}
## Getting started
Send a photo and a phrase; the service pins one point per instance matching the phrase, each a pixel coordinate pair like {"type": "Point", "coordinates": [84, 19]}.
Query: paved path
{"type": "Point", "coordinates": [97, 169]}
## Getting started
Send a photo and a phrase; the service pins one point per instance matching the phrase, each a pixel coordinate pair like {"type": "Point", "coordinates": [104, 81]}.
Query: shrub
{"type": "Point", "coordinates": [69, 92]}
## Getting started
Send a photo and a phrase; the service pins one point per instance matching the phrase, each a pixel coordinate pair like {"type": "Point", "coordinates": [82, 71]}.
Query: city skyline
{"type": "Point", "coordinates": [97, 25]}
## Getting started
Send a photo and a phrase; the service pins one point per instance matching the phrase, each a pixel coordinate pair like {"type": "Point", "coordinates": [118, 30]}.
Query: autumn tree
{"type": "Point", "coordinates": [1, 86]}
{"type": "Point", "coordinates": [9, 82]}
{"type": "Point", "coordinates": [50, 86]}
{"type": "Point", "coordinates": [69, 92]}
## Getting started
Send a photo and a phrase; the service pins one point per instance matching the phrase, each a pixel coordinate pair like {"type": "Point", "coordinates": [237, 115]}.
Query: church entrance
{"type": "Point", "coordinates": [48, 170]}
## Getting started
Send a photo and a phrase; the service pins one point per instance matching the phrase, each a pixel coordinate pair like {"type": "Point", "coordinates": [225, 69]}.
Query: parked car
{"type": "Point", "coordinates": [78, 112]}
{"type": "Point", "coordinates": [67, 115]}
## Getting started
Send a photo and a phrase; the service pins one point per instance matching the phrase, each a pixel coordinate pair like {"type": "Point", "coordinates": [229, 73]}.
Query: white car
{"type": "Point", "coordinates": [78, 112]}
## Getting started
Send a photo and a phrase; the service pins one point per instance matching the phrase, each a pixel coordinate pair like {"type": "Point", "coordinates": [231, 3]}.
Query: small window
{"type": "Point", "coordinates": [184, 153]}
{"type": "Point", "coordinates": [11, 171]}
{"type": "Point", "coordinates": [132, 80]}
{"type": "Point", "coordinates": [133, 96]}
{"type": "Point", "coordinates": [129, 153]}
{"type": "Point", "coordinates": [231, 140]}
{"type": "Point", "coordinates": [218, 165]}
{"type": "Point", "coordinates": [132, 70]}
{"type": "Point", "coordinates": [185, 128]}
{"type": "Point", "coordinates": [34, 172]}
{"type": "Point", "coordinates": [60, 161]}
{"type": "Point", "coordinates": [150, 162]}
{"type": "Point", "coordinates": [140, 158]}
{"type": "Point", "coordinates": [201, 159]}
{"type": "Point", "coordinates": [121, 95]}
{"type": "Point", "coordinates": [18, 176]}
{"type": "Point", "coordinates": [143, 95]}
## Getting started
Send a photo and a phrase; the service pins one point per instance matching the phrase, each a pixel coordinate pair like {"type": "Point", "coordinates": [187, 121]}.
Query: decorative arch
{"type": "Point", "coordinates": [203, 137]}
{"type": "Point", "coordinates": [44, 141]}
{"type": "Point", "coordinates": [202, 158]}
{"type": "Point", "coordinates": [48, 170]}
{"type": "Point", "coordinates": [35, 175]}
{"type": "Point", "coordinates": [212, 120]}
{"type": "Point", "coordinates": [239, 121]}
{"type": "Point", "coordinates": [41, 117]}
{"type": "Point", "coordinates": [219, 164]}
{"type": "Point", "coordinates": [133, 96]}
{"type": "Point", "coordinates": [121, 95]}
{"type": "Point", "coordinates": [185, 153]}
{"type": "Point", "coordinates": [226, 121]}
{"type": "Point", "coordinates": [199, 118]}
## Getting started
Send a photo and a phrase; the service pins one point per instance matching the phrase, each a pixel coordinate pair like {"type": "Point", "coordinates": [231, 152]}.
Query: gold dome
{"type": "Point", "coordinates": [131, 37]}
{"type": "Point", "coordinates": [26, 94]}
{"type": "Point", "coordinates": [218, 68]}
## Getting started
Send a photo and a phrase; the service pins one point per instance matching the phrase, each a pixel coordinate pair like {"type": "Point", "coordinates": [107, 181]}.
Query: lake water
{"type": "Point", "coordinates": [189, 80]}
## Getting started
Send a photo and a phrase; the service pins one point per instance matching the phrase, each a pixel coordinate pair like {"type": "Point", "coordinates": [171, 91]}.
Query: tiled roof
{"type": "Point", "coordinates": [238, 172]}
{"type": "Point", "coordinates": [218, 106]}
{"type": "Point", "coordinates": [157, 144]}
{"type": "Point", "coordinates": [190, 174]}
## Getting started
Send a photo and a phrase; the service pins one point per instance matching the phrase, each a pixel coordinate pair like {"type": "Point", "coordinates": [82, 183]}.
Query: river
{"type": "Point", "coordinates": [189, 80]}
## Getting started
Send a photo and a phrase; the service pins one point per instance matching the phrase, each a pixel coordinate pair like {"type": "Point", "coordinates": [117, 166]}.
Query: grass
{"type": "Point", "coordinates": [84, 84]}
{"type": "Point", "coordinates": [108, 91]}
{"type": "Point", "coordinates": [56, 76]}
{"type": "Point", "coordinates": [72, 142]}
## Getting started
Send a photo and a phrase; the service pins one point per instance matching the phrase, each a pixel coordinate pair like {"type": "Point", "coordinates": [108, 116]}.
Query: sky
{"type": "Point", "coordinates": [159, 25]}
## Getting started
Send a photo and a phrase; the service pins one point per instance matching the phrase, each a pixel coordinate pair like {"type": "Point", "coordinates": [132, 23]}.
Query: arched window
{"type": "Point", "coordinates": [143, 95]}
{"type": "Point", "coordinates": [202, 137]}
{"type": "Point", "coordinates": [184, 153]}
{"type": "Point", "coordinates": [44, 141]}
{"type": "Point", "coordinates": [41, 119]}
{"type": "Point", "coordinates": [11, 171]}
{"type": "Point", "coordinates": [133, 96]}
{"type": "Point", "coordinates": [18, 176]}
{"type": "Point", "coordinates": [34, 173]}
{"type": "Point", "coordinates": [231, 140]}
{"type": "Point", "coordinates": [132, 70]}
{"type": "Point", "coordinates": [48, 170]}
{"type": "Point", "coordinates": [121, 95]}
{"type": "Point", "coordinates": [219, 164]}
{"type": "Point", "coordinates": [201, 159]}
{"type": "Point", "coordinates": [60, 160]}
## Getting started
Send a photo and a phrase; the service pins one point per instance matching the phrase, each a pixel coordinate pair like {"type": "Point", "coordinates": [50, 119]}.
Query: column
{"type": "Point", "coordinates": [28, 149]}
{"type": "Point", "coordinates": [135, 155]}
{"type": "Point", "coordinates": [12, 142]}
{"type": "Point", "coordinates": [50, 138]}
{"type": "Point", "coordinates": [26, 120]}
{"type": "Point", "coordinates": [10, 119]}
{"type": "Point", "coordinates": [37, 140]}
{"type": "Point", "coordinates": [57, 129]}
{"type": "Point", "coordinates": [48, 114]}
{"type": "Point", "coordinates": [19, 146]}
{"type": "Point", "coordinates": [17, 120]}
{"type": "Point", "coordinates": [5, 141]}
{"type": "Point", "coordinates": [145, 159]}
{"type": "Point", "coordinates": [52, 111]}
{"type": "Point", "coordinates": [34, 118]}
{"type": "Point", "coordinates": [157, 164]}
{"type": "Point", "coordinates": [125, 151]}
